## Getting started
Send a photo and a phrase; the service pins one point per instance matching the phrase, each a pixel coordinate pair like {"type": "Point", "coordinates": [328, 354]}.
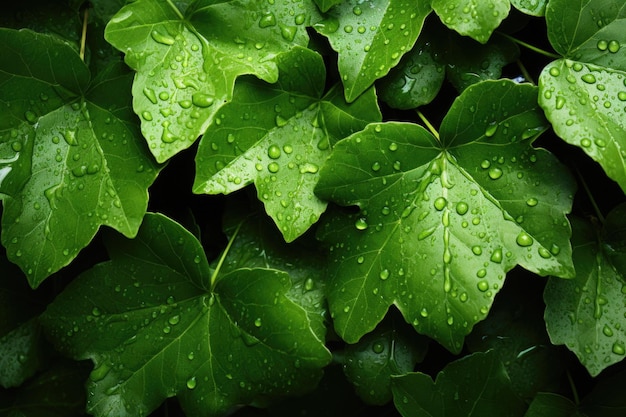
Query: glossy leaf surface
{"type": "Point", "coordinates": [371, 37]}
{"type": "Point", "coordinates": [187, 57]}
{"type": "Point", "coordinates": [476, 19]}
{"type": "Point", "coordinates": [441, 222]}
{"type": "Point", "coordinates": [531, 7]}
{"type": "Point", "coordinates": [71, 161]}
{"type": "Point", "coordinates": [216, 339]}
{"type": "Point", "coordinates": [476, 385]}
{"type": "Point", "coordinates": [579, 312]}
{"type": "Point", "coordinates": [584, 94]}
{"type": "Point", "coordinates": [282, 149]}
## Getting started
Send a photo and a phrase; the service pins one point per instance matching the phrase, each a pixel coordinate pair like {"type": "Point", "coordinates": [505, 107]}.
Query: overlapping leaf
{"type": "Point", "coordinates": [441, 222]}
{"type": "Point", "coordinates": [473, 18]}
{"type": "Point", "coordinates": [281, 148]}
{"type": "Point", "coordinates": [584, 94]}
{"type": "Point", "coordinates": [531, 7]}
{"type": "Point", "coordinates": [476, 385]}
{"type": "Point", "coordinates": [187, 57]}
{"type": "Point", "coordinates": [371, 37]}
{"type": "Point", "coordinates": [586, 313]}
{"type": "Point", "coordinates": [174, 327]}
{"type": "Point", "coordinates": [70, 158]}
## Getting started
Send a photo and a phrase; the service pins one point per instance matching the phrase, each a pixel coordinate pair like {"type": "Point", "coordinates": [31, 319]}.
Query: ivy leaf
{"type": "Point", "coordinates": [578, 312]}
{"type": "Point", "coordinates": [531, 7]}
{"type": "Point", "coordinates": [371, 37]}
{"type": "Point", "coordinates": [187, 58]}
{"type": "Point", "coordinates": [477, 384]}
{"type": "Point", "coordinates": [391, 349]}
{"type": "Point", "coordinates": [175, 328]}
{"type": "Point", "coordinates": [584, 94]}
{"type": "Point", "coordinates": [280, 150]}
{"type": "Point", "coordinates": [476, 19]}
{"type": "Point", "coordinates": [70, 156]}
{"type": "Point", "coordinates": [441, 222]}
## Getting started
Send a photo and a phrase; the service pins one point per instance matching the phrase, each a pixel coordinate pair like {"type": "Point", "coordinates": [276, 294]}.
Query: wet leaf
{"type": "Point", "coordinates": [371, 37]}
{"type": "Point", "coordinates": [325, 5]}
{"type": "Point", "coordinates": [441, 222]}
{"type": "Point", "coordinates": [188, 56]}
{"type": "Point", "coordinates": [174, 327]}
{"type": "Point", "coordinates": [282, 149]}
{"type": "Point", "coordinates": [476, 19]}
{"type": "Point", "coordinates": [476, 384]}
{"type": "Point", "coordinates": [70, 160]}
{"type": "Point", "coordinates": [584, 94]}
{"type": "Point", "coordinates": [585, 313]}
{"type": "Point", "coordinates": [531, 7]}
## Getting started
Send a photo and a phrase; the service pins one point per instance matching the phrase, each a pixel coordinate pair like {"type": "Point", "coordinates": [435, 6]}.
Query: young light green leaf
{"type": "Point", "coordinates": [371, 37]}
{"type": "Point", "coordinates": [476, 19]}
{"type": "Point", "coordinates": [187, 60]}
{"type": "Point", "coordinates": [157, 323]}
{"type": "Point", "coordinates": [584, 95]}
{"type": "Point", "coordinates": [531, 7]}
{"type": "Point", "coordinates": [71, 162]}
{"type": "Point", "coordinates": [579, 312]}
{"type": "Point", "coordinates": [280, 149]}
{"type": "Point", "coordinates": [440, 223]}
{"type": "Point", "coordinates": [476, 385]}
{"type": "Point", "coordinates": [393, 348]}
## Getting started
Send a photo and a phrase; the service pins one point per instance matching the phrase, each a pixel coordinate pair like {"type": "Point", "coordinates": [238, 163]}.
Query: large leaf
{"type": "Point", "coordinates": [476, 19]}
{"type": "Point", "coordinates": [158, 322]}
{"type": "Point", "coordinates": [371, 37]}
{"type": "Point", "coordinates": [440, 222]}
{"type": "Point", "coordinates": [282, 148]}
{"type": "Point", "coordinates": [476, 385]}
{"type": "Point", "coordinates": [70, 157]}
{"type": "Point", "coordinates": [586, 313]}
{"type": "Point", "coordinates": [187, 57]}
{"type": "Point", "coordinates": [584, 94]}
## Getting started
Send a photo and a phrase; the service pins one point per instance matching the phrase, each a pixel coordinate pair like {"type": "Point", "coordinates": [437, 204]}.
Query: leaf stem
{"type": "Point", "coordinates": [223, 257]}
{"type": "Point", "coordinates": [83, 37]}
{"type": "Point", "coordinates": [531, 47]}
{"type": "Point", "coordinates": [525, 72]}
{"type": "Point", "coordinates": [590, 196]}
{"type": "Point", "coordinates": [573, 387]}
{"type": "Point", "coordinates": [180, 16]}
{"type": "Point", "coordinates": [428, 124]}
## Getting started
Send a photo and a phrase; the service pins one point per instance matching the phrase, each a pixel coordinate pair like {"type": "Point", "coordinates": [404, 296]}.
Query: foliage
{"type": "Point", "coordinates": [431, 232]}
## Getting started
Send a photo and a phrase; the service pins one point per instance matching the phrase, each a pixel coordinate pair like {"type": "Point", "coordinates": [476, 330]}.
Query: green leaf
{"type": "Point", "coordinates": [531, 7]}
{"type": "Point", "coordinates": [606, 399]}
{"type": "Point", "coordinates": [157, 323]}
{"type": "Point", "coordinates": [20, 354]}
{"type": "Point", "coordinates": [417, 79]}
{"type": "Point", "coordinates": [391, 349]}
{"type": "Point", "coordinates": [476, 19]}
{"type": "Point", "coordinates": [476, 385]}
{"type": "Point", "coordinates": [281, 149]}
{"type": "Point", "coordinates": [71, 161]}
{"type": "Point", "coordinates": [584, 94]}
{"type": "Point", "coordinates": [187, 58]}
{"type": "Point", "coordinates": [440, 223]}
{"type": "Point", "coordinates": [547, 404]}
{"type": "Point", "coordinates": [580, 312]}
{"type": "Point", "coordinates": [325, 5]}
{"type": "Point", "coordinates": [371, 37]}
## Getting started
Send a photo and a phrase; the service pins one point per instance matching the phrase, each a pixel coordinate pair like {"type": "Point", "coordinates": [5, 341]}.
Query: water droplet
{"type": "Point", "coordinates": [376, 166]}
{"type": "Point", "coordinates": [299, 19]}
{"type": "Point", "coordinates": [161, 38]}
{"type": "Point", "coordinates": [491, 129]}
{"type": "Point", "coordinates": [360, 260]}
{"type": "Point", "coordinates": [309, 284]}
{"type": "Point", "coordinates": [607, 331]}
{"type": "Point", "coordinates": [524, 239]}
{"type": "Point", "coordinates": [585, 142]}
{"type": "Point", "coordinates": [555, 72]}
{"type": "Point", "coordinates": [424, 312]}
{"type": "Point", "coordinates": [288, 32]}
{"type": "Point", "coordinates": [174, 320]}
{"type": "Point", "coordinates": [602, 45]}
{"type": "Point", "coordinates": [378, 347]}
{"type": "Point", "coordinates": [273, 152]}
{"type": "Point", "coordinates": [361, 223]}
{"type": "Point", "coordinates": [394, 146]}
{"type": "Point", "coordinates": [191, 382]}
{"type": "Point", "coordinates": [267, 20]}
{"type": "Point", "coordinates": [357, 10]}
{"type": "Point", "coordinates": [614, 46]}
{"type": "Point", "coordinates": [482, 285]}
{"type": "Point", "coordinates": [618, 348]}
{"type": "Point", "coordinates": [495, 173]}
{"type": "Point", "coordinates": [384, 274]}
{"type": "Point", "coordinates": [146, 115]}
{"type": "Point", "coordinates": [588, 78]}
{"type": "Point", "coordinates": [544, 253]}
{"type": "Point", "coordinates": [273, 167]}
{"type": "Point", "coordinates": [201, 99]}
{"type": "Point", "coordinates": [258, 322]}
{"type": "Point", "coordinates": [477, 250]}
{"type": "Point", "coordinates": [532, 202]}
{"type": "Point", "coordinates": [485, 164]}
{"type": "Point", "coordinates": [461, 208]}
{"type": "Point", "coordinates": [440, 203]}
{"type": "Point", "coordinates": [150, 95]}
{"type": "Point", "coordinates": [560, 102]}
{"type": "Point", "coordinates": [555, 249]}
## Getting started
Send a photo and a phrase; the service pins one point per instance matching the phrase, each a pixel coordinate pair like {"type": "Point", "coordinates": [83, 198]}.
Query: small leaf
{"type": "Point", "coordinates": [531, 7]}
{"type": "Point", "coordinates": [187, 60]}
{"type": "Point", "coordinates": [71, 162]}
{"type": "Point", "coordinates": [370, 38]}
{"type": "Point", "coordinates": [172, 330]}
{"type": "Point", "coordinates": [471, 206]}
{"type": "Point", "coordinates": [472, 18]}
{"type": "Point", "coordinates": [580, 313]}
{"type": "Point", "coordinates": [282, 149]}
{"type": "Point", "coordinates": [476, 385]}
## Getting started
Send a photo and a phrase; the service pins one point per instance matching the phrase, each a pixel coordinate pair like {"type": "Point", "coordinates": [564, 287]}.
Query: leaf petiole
{"type": "Point", "coordinates": [531, 47]}
{"type": "Point", "coordinates": [223, 256]}
{"type": "Point", "coordinates": [83, 37]}
{"type": "Point", "coordinates": [173, 6]}
{"type": "Point", "coordinates": [430, 127]}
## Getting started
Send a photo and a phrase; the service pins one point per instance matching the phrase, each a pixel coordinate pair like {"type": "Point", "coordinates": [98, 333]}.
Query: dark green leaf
{"type": "Point", "coordinates": [606, 399]}
{"type": "Point", "coordinates": [476, 385]}
{"type": "Point", "coordinates": [371, 37]}
{"type": "Point", "coordinates": [531, 7]}
{"type": "Point", "coordinates": [20, 354]}
{"type": "Point", "coordinates": [580, 313]}
{"type": "Point", "coordinates": [187, 58]}
{"type": "Point", "coordinates": [157, 322]}
{"type": "Point", "coordinates": [472, 18]}
{"type": "Point", "coordinates": [551, 405]}
{"type": "Point", "coordinates": [440, 223]}
{"type": "Point", "coordinates": [281, 149]}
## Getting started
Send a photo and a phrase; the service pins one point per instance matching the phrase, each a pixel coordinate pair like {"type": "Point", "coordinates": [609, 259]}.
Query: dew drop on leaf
{"type": "Point", "coordinates": [483, 285]}
{"type": "Point", "coordinates": [378, 347]}
{"type": "Point", "coordinates": [440, 203]}
{"type": "Point", "coordinates": [614, 46]}
{"type": "Point", "coordinates": [524, 239]}
{"type": "Point", "coordinates": [273, 152]}
{"type": "Point", "coordinates": [607, 331]}
{"type": "Point", "coordinates": [267, 20]}
{"type": "Point", "coordinates": [618, 348]}
{"type": "Point", "coordinates": [384, 274]}
{"type": "Point", "coordinates": [191, 382]}
{"type": "Point", "coordinates": [361, 223]}
{"type": "Point", "coordinates": [461, 208]}
{"type": "Point", "coordinates": [532, 202]}
{"type": "Point", "coordinates": [588, 78]}
{"type": "Point", "coordinates": [201, 100]}
{"type": "Point", "coordinates": [162, 38]}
